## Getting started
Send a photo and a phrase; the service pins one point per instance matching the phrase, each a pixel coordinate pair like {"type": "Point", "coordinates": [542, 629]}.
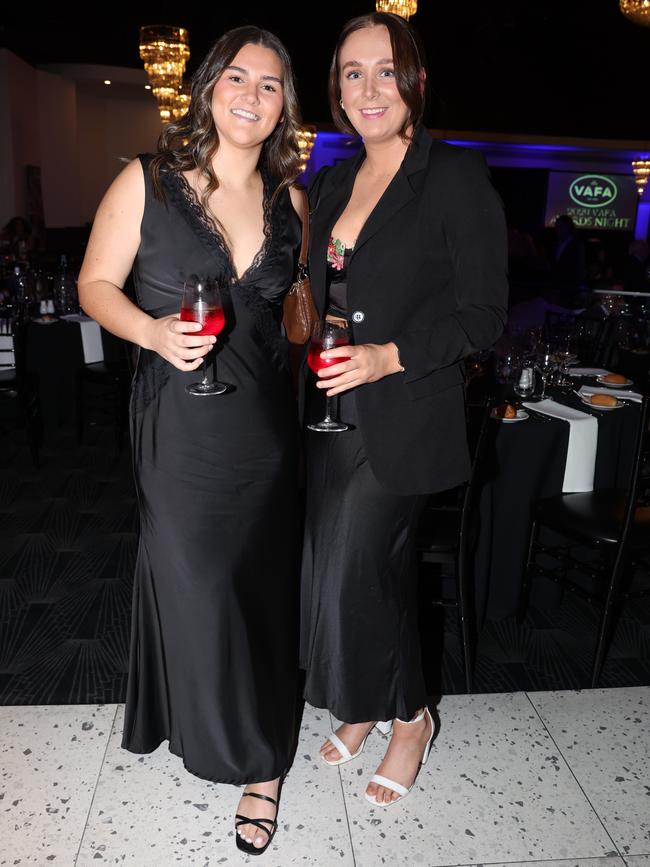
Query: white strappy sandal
{"type": "Point", "coordinates": [346, 756]}
{"type": "Point", "coordinates": [401, 790]}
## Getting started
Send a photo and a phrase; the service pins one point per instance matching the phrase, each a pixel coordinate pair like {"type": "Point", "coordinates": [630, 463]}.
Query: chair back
{"type": "Point", "coordinates": [7, 346]}
{"type": "Point", "coordinates": [7, 352]}
{"type": "Point", "coordinates": [634, 491]}
{"type": "Point", "coordinates": [478, 421]}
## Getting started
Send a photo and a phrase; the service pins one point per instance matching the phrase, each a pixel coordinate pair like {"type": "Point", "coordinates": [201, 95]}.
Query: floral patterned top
{"type": "Point", "coordinates": [336, 251]}
{"type": "Point", "coordinates": [337, 261]}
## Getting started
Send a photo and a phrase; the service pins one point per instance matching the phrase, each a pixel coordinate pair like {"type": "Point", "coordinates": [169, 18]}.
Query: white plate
{"type": "Point", "coordinates": [40, 321]}
{"type": "Point", "coordinates": [603, 408]}
{"type": "Point", "coordinates": [614, 384]}
{"type": "Point", "coordinates": [522, 415]}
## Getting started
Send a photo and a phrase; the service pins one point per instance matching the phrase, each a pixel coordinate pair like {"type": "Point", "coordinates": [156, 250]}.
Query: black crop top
{"type": "Point", "coordinates": [338, 256]}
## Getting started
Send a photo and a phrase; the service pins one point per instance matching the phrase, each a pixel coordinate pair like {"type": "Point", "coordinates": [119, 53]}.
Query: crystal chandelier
{"type": "Point", "coordinates": [637, 11]}
{"type": "Point", "coordinates": [641, 169]}
{"type": "Point", "coordinates": [306, 139]}
{"type": "Point", "coordinates": [181, 101]}
{"type": "Point", "coordinates": [165, 50]}
{"type": "Point", "coordinates": [403, 8]}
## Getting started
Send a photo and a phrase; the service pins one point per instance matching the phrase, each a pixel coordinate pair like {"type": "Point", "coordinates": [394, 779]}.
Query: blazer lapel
{"type": "Point", "coordinates": [401, 189]}
{"type": "Point", "coordinates": [326, 212]}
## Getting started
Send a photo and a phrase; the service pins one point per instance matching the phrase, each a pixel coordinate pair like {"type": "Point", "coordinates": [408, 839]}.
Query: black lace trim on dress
{"type": "Point", "coordinates": [182, 194]}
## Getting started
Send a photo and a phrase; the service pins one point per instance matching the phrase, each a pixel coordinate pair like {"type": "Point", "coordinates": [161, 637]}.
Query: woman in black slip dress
{"type": "Point", "coordinates": [213, 667]}
{"type": "Point", "coordinates": [408, 244]}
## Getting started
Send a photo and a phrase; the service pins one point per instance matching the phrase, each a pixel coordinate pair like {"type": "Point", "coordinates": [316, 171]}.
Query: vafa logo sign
{"type": "Point", "coordinates": [593, 191]}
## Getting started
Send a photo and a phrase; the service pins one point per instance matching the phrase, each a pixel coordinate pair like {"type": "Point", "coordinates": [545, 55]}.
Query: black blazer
{"type": "Point", "coordinates": [428, 272]}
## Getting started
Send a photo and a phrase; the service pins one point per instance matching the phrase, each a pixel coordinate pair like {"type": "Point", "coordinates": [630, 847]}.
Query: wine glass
{"type": "Point", "coordinates": [545, 365]}
{"type": "Point", "coordinates": [326, 335]}
{"type": "Point", "coordinates": [202, 303]}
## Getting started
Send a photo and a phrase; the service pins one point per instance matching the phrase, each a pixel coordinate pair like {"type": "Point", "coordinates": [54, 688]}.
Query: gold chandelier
{"type": "Point", "coordinates": [637, 11]}
{"type": "Point", "coordinates": [403, 8]}
{"type": "Point", "coordinates": [306, 139]}
{"type": "Point", "coordinates": [641, 169]}
{"type": "Point", "coordinates": [182, 100]}
{"type": "Point", "coordinates": [165, 50]}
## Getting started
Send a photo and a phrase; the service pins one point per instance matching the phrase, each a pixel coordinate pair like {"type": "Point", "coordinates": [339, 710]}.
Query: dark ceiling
{"type": "Point", "coordinates": [554, 67]}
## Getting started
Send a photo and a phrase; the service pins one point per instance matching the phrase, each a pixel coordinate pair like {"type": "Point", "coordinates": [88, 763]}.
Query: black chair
{"type": "Point", "coordinates": [615, 525]}
{"type": "Point", "coordinates": [448, 531]}
{"type": "Point", "coordinates": [103, 388]}
{"type": "Point", "coordinates": [18, 388]}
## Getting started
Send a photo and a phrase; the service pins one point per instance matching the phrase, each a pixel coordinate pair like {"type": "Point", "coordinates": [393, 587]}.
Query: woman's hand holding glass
{"type": "Point", "coordinates": [365, 363]}
{"type": "Point", "coordinates": [177, 343]}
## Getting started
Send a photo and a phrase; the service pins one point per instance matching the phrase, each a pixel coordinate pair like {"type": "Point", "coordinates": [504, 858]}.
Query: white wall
{"type": "Point", "coordinates": [66, 121]}
{"type": "Point", "coordinates": [57, 116]}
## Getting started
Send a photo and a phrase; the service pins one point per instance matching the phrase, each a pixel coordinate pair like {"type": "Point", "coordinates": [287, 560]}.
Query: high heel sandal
{"type": "Point", "coordinates": [346, 756]}
{"type": "Point", "coordinates": [394, 786]}
{"type": "Point", "coordinates": [249, 848]}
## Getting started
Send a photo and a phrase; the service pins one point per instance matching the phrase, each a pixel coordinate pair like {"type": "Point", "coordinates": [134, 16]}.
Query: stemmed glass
{"type": "Point", "coordinates": [546, 364]}
{"type": "Point", "coordinates": [202, 303]}
{"type": "Point", "coordinates": [327, 335]}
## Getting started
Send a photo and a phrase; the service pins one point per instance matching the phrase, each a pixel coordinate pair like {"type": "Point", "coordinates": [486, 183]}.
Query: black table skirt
{"type": "Point", "coordinates": [525, 462]}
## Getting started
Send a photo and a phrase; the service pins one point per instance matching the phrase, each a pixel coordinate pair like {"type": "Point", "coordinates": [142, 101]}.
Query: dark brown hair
{"type": "Point", "coordinates": [191, 141]}
{"type": "Point", "coordinates": [408, 57]}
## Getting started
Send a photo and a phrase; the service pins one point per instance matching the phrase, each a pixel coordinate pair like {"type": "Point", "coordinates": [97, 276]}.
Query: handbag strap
{"type": "Point", "coordinates": [302, 259]}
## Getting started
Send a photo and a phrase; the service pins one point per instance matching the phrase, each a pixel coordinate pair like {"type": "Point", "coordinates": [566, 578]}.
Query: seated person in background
{"type": "Point", "coordinates": [532, 313]}
{"type": "Point", "coordinates": [18, 239]}
{"type": "Point", "coordinates": [568, 268]}
{"type": "Point", "coordinates": [635, 270]}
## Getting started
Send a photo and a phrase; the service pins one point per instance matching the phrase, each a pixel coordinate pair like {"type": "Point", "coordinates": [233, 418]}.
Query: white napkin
{"type": "Point", "coordinates": [76, 317]}
{"type": "Point", "coordinates": [620, 393]}
{"type": "Point", "coordinates": [583, 441]}
{"type": "Point", "coordinates": [588, 371]}
{"type": "Point", "coordinates": [91, 338]}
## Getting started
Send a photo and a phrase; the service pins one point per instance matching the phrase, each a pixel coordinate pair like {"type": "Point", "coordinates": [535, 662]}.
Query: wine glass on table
{"type": "Point", "coordinates": [327, 334]}
{"type": "Point", "coordinates": [202, 303]}
{"type": "Point", "coordinates": [546, 365]}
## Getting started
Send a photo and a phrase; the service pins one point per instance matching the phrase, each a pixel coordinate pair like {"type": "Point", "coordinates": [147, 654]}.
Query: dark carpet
{"type": "Point", "coordinates": [68, 540]}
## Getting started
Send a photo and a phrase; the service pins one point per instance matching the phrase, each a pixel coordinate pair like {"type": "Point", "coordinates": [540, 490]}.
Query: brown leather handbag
{"type": "Point", "coordinates": [299, 311]}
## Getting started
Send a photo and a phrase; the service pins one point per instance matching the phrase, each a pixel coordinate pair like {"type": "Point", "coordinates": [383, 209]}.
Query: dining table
{"type": "Point", "coordinates": [56, 348]}
{"type": "Point", "coordinates": [530, 458]}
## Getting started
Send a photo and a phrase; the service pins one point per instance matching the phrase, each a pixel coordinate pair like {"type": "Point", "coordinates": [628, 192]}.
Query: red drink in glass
{"type": "Point", "coordinates": [211, 318]}
{"type": "Point", "coordinates": [317, 363]}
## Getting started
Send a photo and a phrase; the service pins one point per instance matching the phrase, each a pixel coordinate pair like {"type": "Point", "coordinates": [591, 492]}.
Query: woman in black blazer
{"type": "Point", "coordinates": [408, 243]}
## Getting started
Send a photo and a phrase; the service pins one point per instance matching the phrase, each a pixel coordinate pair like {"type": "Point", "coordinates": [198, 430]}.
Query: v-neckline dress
{"type": "Point", "coordinates": [213, 660]}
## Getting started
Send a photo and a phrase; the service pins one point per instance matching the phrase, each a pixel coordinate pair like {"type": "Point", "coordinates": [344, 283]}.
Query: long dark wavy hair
{"type": "Point", "coordinates": [409, 59]}
{"type": "Point", "coordinates": [192, 141]}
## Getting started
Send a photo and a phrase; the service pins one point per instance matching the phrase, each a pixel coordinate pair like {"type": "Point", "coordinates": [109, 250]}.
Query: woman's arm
{"type": "Point", "coordinates": [110, 254]}
{"type": "Point", "coordinates": [475, 230]}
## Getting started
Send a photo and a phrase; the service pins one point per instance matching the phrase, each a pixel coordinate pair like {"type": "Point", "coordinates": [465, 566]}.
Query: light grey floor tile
{"type": "Point", "coordinates": [494, 790]}
{"type": "Point", "coordinates": [150, 812]}
{"type": "Point", "coordinates": [604, 736]}
{"type": "Point", "coordinates": [637, 860]}
{"type": "Point", "coordinates": [613, 861]}
{"type": "Point", "coordinates": [50, 758]}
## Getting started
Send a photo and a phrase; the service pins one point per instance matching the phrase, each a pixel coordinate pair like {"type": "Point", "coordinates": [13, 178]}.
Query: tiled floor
{"type": "Point", "coordinates": [554, 778]}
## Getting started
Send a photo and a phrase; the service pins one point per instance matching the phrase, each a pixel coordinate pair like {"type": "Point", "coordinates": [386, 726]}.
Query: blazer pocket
{"type": "Point", "coordinates": [436, 381]}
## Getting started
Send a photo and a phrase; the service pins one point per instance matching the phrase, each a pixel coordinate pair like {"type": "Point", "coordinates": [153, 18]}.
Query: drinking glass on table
{"type": "Point", "coordinates": [546, 365]}
{"type": "Point", "coordinates": [525, 382]}
{"type": "Point", "coordinates": [327, 334]}
{"type": "Point", "coordinates": [202, 303]}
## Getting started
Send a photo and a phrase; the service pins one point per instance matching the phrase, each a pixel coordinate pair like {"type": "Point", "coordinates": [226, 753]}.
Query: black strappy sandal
{"type": "Point", "coordinates": [249, 848]}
